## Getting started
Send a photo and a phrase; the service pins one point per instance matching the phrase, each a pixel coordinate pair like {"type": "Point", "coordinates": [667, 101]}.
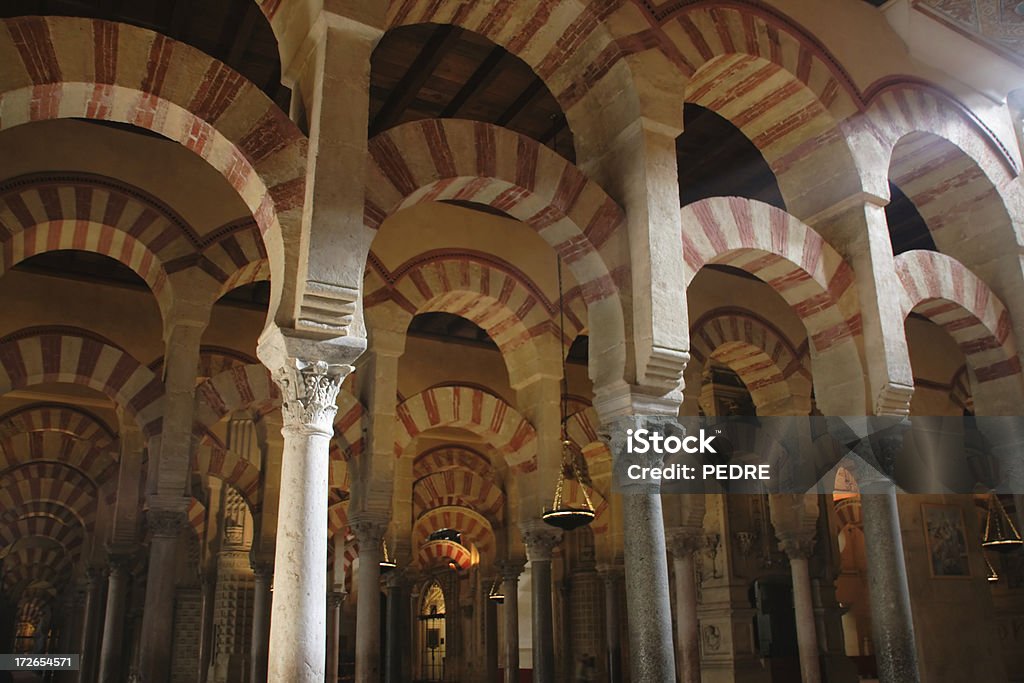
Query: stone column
{"type": "Point", "coordinates": [683, 543]}
{"type": "Point", "coordinates": [297, 631]}
{"type": "Point", "coordinates": [334, 600]}
{"type": "Point", "coordinates": [112, 649]}
{"type": "Point", "coordinates": [795, 519]}
{"type": "Point", "coordinates": [209, 589]}
{"type": "Point", "coordinates": [648, 604]}
{"type": "Point", "coordinates": [490, 609]}
{"type": "Point", "coordinates": [613, 640]}
{"type": "Point", "coordinates": [397, 643]}
{"type": "Point", "coordinates": [510, 571]}
{"type": "Point", "coordinates": [540, 541]}
{"type": "Point", "coordinates": [892, 622]}
{"type": "Point", "coordinates": [158, 613]}
{"type": "Point", "coordinates": [90, 647]}
{"type": "Point", "coordinates": [264, 576]}
{"type": "Point", "coordinates": [369, 531]}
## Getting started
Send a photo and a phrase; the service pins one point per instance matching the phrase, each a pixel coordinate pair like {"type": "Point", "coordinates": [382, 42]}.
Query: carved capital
{"type": "Point", "coordinates": [264, 571]}
{"type": "Point", "coordinates": [683, 542]}
{"type": "Point", "coordinates": [797, 547]}
{"type": "Point", "coordinates": [310, 391]}
{"type": "Point", "coordinates": [165, 523]}
{"type": "Point", "coordinates": [120, 564]}
{"type": "Point", "coordinates": [368, 529]}
{"type": "Point", "coordinates": [336, 598]}
{"type": "Point", "coordinates": [540, 540]}
{"type": "Point", "coordinates": [510, 570]}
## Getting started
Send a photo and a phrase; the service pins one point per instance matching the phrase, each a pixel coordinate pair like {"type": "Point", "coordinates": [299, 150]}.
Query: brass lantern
{"type": "Point", "coordinates": [1000, 533]}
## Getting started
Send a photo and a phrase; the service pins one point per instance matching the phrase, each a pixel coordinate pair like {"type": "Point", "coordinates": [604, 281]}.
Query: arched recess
{"type": "Point", "coordinates": [59, 67]}
{"type": "Point", "coordinates": [49, 212]}
{"type": "Point", "coordinates": [442, 553]}
{"type": "Point", "coordinates": [452, 457]}
{"type": "Point", "coordinates": [773, 370]}
{"type": "Point", "coordinates": [566, 42]}
{"type": "Point", "coordinates": [433, 160]}
{"type": "Point", "coordinates": [37, 355]}
{"type": "Point", "coordinates": [470, 408]}
{"type": "Point", "coordinates": [70, 537]}
{"type": "Point", "coordinates": [798, 264]}
{"type": "Point", "coordinates": [939, 288]}
{"type": "Point", "coordinates": [780, 89]}
{"type": "Point", "coordinates": [493, 294]}
{"type": "Point", "coordinates": [473, 526]}
{"type": "Point", "coordinates": [459, 488]}
{"type": "Point", "coordinates": [60, 433]}
{"type": "Point", "coordinates": [41, 482]}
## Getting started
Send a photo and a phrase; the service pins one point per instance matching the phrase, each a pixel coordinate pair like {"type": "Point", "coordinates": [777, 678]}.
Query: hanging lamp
{"type": "Point", "coordinates": [1000, 533]}
{"type": "Point", "coordinates": [560, 514]}
{"type": "Point", "coordinates": [386, 563]}
{"type": "Point", "coordinates": [497, 595]}
{"type": "Point", "coordinates": [991, 574]}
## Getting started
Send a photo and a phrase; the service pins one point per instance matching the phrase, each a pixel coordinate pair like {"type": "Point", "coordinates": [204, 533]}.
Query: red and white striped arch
{"type": "Point", "coordinates": [197, 517]}
{"type": "Point", "coordinates": [494, 294]}
{"type": "Point", "coordinates": [452, 159]}
{"type": "Point", "coordinates": [40, 355]}
{"type": "Point", "coordinates": [62, 67]}
{"type": "Point", "coordinates": [63, 419]}
{"type": "Point", "coordinates": [441, 553]}
{"type": "Point", "coordinates": [774, 371]}
{"type": "Point", "coordinates": [213, 459]}
{"type": "Point", "coordinates": [473, 526]}
{"type": "Point", "coordinates": [48, 482]}
{"type": "Point", "coordinates": [944, 291]}
{"type": "Point", "coordinates": [452, 457]}
{"type": "Point", "coordinates": [784, 253]}
{"type": "Point", "coordinates": [477, 411]}
{"type": "Point", "coordinates": [242, 387]}
{"type": "Point", "coordinates": [96, 463]}
{"type": "Point", "coordinates": [461, 489]}
{"type": "Point", "coordinates": [70, 537]}
{"type": "Point", "coordinates": [30, 565]}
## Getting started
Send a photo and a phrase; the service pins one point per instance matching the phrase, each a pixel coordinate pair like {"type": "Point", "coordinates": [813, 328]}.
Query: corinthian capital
{"type": "Point", "coordinates": [310, 391]}
{"type": "Point", "coordinates": [540, 540]}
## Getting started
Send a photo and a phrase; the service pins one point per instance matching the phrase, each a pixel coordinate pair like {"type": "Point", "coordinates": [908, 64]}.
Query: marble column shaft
{"type": "Point", "coordinates": [683, 544]}
{"type": "Point", "coordinates": [158, 616]}
{"type": "Point", "coordinates": [90, 644]}
{"type": "Point", "coordinates": [510, 572]}
{"type": "Point", "coordinates": [540, 541]}
{"type": "Point", "coordinates": [112, 649]}
{"type": "Point", "coordinates": [334, 601]}
{"type": "Point", "coordinates": [613, 639]}
{"type": "Point", "coordinates": [397, 645]}
{"type": "Point", "coordinates": [298, 643]}
{"type": "Point", "coordinates": [369, 532]}
{"type": "Point", "coordinates": [260, 643]}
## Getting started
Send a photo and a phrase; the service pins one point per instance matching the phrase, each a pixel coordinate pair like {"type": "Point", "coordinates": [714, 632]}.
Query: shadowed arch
{"type": "Point", "coordinates": [435, 160]}
{"type": "Point", "coordinates": [473, 526]}
{"type": "Point", "coordinates": [439, 553]}
{"type": "Point", "coordinates": [472, 409]}
{"type": "Point", "coordinates": [461, 489]}
{"type": "Point", "coordinates": [772, 369]}
{"type": "Point", "coordinates": [110, 71]}
{"type": "Point", "coordinates": [951, 296]}
{"type": "Point", "coordinates": [39, 355]}
{"type": "Point", "coordinates": [798, 264]}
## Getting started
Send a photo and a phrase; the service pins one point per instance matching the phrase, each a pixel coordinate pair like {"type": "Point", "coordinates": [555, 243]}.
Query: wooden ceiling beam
{"type": "Point", "coordinates": [403, 94]}
{"type": "Point", "coordinates": [529, 94]}
{"type": "Point", "coordinates": [482, 77]}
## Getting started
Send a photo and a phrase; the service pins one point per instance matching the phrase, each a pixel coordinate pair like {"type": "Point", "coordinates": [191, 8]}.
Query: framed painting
{"type": "Point", "coordinates": [946, 540]}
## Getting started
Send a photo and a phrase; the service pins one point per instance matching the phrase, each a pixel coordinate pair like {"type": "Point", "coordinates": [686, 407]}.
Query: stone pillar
{"type": "Point", "coordinates": [297, 631]}
{"type": "Point", "coordinates": [540, 541]}
{"type": "Point", "coordinates": [90, 647]}
{"type": "Point", "coordinates": [490, 609]}
{"type": "Point", "coordinates": [795, 519]}
{"type": "Point", "coordinates": [613, 640]}
{"type": "Point", "coordinates": [892, 622]}
{"type": "Point", "coordinates": [112, 649]}
{"type": "Point", "coordinates": [369, 531]}
{"type": "Point", "coordinates": [397, 643]}
{"type": "Point", "coordinates": [510, 571]}
{"type": "Point", "coordinates": [264, 576]}
{"type": "Point", "coordinates": [683, 543]}
{"type": "Point", "coordinates": [158, 613]}
{"type": "Point", "coordinates": [334, 600]}
{"type": "Point", "coordinates": [209, 589]}
{"type": "Point", "coordinates": [648, 603]}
